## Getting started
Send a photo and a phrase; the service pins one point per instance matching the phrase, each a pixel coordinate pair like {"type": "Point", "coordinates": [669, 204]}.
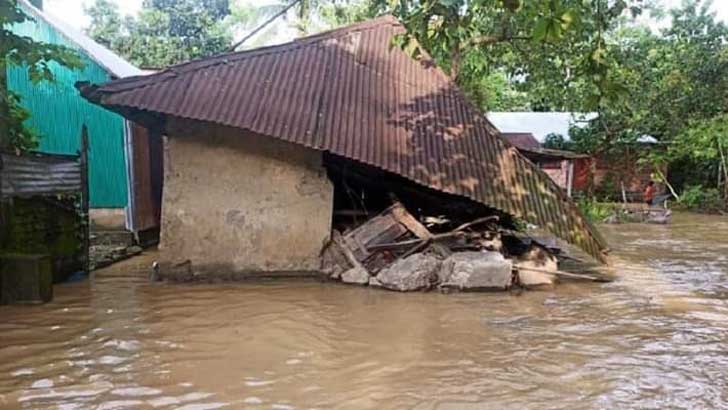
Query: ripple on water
{"type": "Point", "coordinates": [656, 338]}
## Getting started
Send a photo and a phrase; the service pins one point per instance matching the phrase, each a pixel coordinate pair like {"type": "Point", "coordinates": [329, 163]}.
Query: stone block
{"type": "Point", "coordinates": [25, 279]}
{"type": "Point", "coordinates": [531, 279]}
{"type": "Point", "coordinates": [416, 272]}
{"type": "Point", "coordinates": [476, 271]}
{"type": "Point", "coordinates": [356, 276]}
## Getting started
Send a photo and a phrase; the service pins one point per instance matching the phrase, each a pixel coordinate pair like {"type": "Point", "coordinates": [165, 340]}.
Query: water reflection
{"type": "Point", "coordinates": [654, 339]}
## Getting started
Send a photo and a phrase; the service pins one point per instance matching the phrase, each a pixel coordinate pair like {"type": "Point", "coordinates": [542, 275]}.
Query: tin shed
{"type": "Point", "coordinates": [117, 181]}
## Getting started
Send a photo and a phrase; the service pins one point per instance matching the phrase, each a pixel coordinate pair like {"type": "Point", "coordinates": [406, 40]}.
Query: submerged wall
{"type": "Point", "coordinates": [237, 203]}
{"type": "Point", "coordinates": [47, 226]}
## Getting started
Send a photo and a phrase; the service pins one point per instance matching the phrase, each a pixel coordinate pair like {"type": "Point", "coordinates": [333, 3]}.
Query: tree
{"type": "Point", "coordinates": [675, 86]}
{"type": "Point", "coordinates": [557, 141]}
{"type": "Point", "coordinates": [38, 58]}
{"type": "Point", "coordinates": [165, 32]}
{"type": "Point", "coordinates": [705, 142]}
{"type": "Point", "coordinates": [106, 22]}
{"type": "Point", "coordinates": [552, 47]}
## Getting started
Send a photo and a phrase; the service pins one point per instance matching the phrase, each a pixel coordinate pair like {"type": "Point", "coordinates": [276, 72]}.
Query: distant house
{"type": "Point", "coordinates": [125, 164]}
{"type": "Point", "coordinates": [539, 124]}
{"type": "Point", "coordinates": [267, 147]}
{"type": "Point", "coordinates": [607, 174]}
{"type": "Point", "coordinates": [570, 170]}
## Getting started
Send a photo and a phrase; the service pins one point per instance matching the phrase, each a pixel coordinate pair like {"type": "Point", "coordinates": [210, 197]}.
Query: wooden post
{"type": "Point", "coordinates": [570, 178]}
{"type": "Point", "coordinates": [85, 200]}
{"type": "Point", "coordinates": [4, 107]}
{"type": "Point", "coordinates": [724, 166]}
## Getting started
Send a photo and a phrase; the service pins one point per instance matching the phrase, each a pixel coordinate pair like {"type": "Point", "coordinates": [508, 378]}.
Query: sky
{"type": "Point", "coordinates": [71, 11]}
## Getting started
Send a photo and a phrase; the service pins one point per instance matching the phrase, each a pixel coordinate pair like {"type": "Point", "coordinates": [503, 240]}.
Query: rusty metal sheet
{"type": "Point", "coordinates": [38, 174]}
{"type": "Point", "coordinates": [350, 93]}
{"type": "Point", "coordinates": [521, 139]}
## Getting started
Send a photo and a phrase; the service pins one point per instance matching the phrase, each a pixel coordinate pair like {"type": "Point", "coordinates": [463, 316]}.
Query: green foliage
{"type": "Point", "coordinates": [698, 198]}
{"type": "Point", "coordinates": [557, 141]}
{"type": "Point", "coordinates": [675, 87]}
{"type": "Point", "coordinates": [491, 90]}
{"type": "Point", "coordinates": [341, 13]}
{"type": "Point", "coordinates": [165, 32]}
{"type": "Point", "coordinates": [16, 135]}
{"type": "Point", "coordinates": [38, 58]}
{"type": "Point", "coordinates": [555, 50]}
{"type": "Point", "coordinates": [703, 139]}
{"type": "Point", "coordinates": [595, 211]}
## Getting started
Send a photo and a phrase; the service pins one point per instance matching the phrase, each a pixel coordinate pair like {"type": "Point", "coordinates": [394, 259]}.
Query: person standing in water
{"type": "Point", "coordinates": [649, 195]}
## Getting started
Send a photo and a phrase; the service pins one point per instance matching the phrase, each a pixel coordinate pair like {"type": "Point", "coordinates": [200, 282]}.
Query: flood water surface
{"type": "Point", "coordinates": [656, 338]}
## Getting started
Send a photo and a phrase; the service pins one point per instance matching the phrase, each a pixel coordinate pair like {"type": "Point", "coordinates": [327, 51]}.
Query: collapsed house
{"type": "Point", "coordinates": [269, 151]}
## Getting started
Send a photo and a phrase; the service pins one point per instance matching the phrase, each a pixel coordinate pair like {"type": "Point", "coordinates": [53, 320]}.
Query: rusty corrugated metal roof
{"type": "Point", "coordinates": [349, 92]}
{"type": "Point", "coordinates": [33, 174]}
{"type": "Point", "coordinates": [521, 139]}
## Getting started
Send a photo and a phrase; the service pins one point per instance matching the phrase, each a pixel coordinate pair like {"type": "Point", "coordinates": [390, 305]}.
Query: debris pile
{"type": "Point", "coordinates": [395, 251]}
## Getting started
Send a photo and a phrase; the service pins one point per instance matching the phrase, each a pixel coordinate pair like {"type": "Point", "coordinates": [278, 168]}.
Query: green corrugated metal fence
{"type": "Point", "coordinates": [58, 111]}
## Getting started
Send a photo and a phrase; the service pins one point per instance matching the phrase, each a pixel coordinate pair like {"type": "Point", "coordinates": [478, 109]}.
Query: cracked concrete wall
{"type": "Point", "coordinates": [237, 203]}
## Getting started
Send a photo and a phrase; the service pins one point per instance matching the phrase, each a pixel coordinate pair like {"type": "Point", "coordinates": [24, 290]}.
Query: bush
{"type": "Point", "coordinates": [697, 198]}
{"type": "Point", "coordinates": [595, 211]}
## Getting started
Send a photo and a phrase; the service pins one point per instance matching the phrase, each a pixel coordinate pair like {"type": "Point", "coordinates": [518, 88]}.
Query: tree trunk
{"type": "Point", "coordinates": [724, 166]}
{"type": "Point", "coordinates": [4, 107]}
{"type": "Point", "coordinates": [664, 180]}
{"type": "Point", "coordinates": [455, 65]}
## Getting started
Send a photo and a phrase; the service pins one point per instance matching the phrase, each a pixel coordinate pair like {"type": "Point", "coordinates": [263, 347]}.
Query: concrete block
{"type": "Point", "coordinates": [356, 276]}
{"type": "Point", "coordinates": [416, 272]}
{"type": "Point", "coordinates": [533, 279]}
{"type": "Point", "coordinates": [25, 279]}
{"type": "Point", "coordinates": [476, 271]}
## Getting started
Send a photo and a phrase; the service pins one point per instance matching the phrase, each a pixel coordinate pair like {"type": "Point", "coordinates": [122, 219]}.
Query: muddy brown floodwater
{"type": "Point", "coordinates": [655, 339]}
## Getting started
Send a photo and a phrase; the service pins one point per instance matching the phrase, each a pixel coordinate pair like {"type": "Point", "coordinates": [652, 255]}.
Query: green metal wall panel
{"type": "Point", "coordinates": [58, 112]}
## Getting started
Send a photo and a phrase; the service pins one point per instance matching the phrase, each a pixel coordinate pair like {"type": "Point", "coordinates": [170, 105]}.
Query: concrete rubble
{"type": "Point", "coordinates": [395, 251]}
{"type": "Point", "coordinates": [356, 275]}
{"type": "Point", "coordinates": [109, 247]}
{"type": "Point", "coordinates": [415, 272]}
{"type": "Point", "coordinates": [476, 271]}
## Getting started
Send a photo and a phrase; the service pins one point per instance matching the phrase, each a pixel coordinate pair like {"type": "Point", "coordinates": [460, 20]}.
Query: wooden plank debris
{"type": "Point", "coordinates": [395, 235]}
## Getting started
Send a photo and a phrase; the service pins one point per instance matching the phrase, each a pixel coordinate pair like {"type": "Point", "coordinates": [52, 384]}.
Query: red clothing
{"type": "Point", "coordinates": [649, 194]}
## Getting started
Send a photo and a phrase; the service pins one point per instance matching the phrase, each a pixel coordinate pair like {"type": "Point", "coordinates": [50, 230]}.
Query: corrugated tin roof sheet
{"type": "Point", "coordinates": [114, 64]}
{"type": "Point", "coordinates": [521, 139]}
{"type": "Point", "coordinates": [349, 92]}
{"type": "Point", "coordinates": [33, 174]}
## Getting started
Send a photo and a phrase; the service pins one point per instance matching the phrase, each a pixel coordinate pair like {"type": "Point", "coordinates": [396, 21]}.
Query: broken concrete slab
{"type": "Point", "coordinates": [416, 272]}
{"type": "Point", "coordinates": [534, 279]}
{"type": "Point", "coordinates": [476, 271]}
{"type": "Point", "coordinates": [356, 276]}
{"type": "Point", "coordinates": [103, 256]}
